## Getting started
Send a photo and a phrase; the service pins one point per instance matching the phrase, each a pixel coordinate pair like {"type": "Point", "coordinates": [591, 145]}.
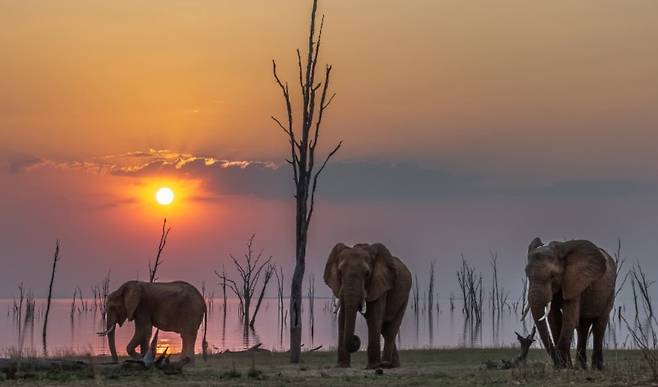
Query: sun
{"type": "Point", "coordinates": [164, 196]}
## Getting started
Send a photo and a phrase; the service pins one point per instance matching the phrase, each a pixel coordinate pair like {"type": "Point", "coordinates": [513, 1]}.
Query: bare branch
{"type": "Point", "coordinates": [315, 180]}
{"type": "Point", "coordinates": [323, 106]}
{"type": "Point", "coordinates": [317, 45]}
{"type": "Point", "coordinates": [326, 105]}
{"type": "Point", "coordinates": [161, 245]}
{"type": "Point", "coordinates": [301, 73]}
{"type": "Point", "coordinates": [294, 144]}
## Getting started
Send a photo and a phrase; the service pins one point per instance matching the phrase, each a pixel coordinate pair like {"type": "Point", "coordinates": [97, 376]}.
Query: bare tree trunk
{"type": "Point", "coordinates": [50, 295]}
{"type": "Point", "coordinates": [303, 142]}
{"type": "Point", "coordinates": [223, 283]}
{"type": "Point", "coordinates": [296, 301]}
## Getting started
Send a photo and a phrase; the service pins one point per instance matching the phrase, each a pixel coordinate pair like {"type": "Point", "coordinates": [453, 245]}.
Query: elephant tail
{"type": "Point", "coordinates": [204, 343]}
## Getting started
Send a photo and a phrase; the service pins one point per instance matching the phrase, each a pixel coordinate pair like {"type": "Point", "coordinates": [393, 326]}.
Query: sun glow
{"type": "Point", "coordinates": [164, 196]}
{"type": "Point", "coordinates": [167, 196]}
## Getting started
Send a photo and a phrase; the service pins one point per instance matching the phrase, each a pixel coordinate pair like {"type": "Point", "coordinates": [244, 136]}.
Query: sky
{"type": "Point", "coordinates": [467, 129]}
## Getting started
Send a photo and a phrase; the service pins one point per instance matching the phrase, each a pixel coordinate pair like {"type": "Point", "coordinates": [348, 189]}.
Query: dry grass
{"type": "Point", "coordinates": [452, 367]}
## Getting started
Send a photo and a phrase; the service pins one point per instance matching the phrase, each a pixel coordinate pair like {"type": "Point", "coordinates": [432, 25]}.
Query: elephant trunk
{"type": "Point", "coordinates": [539, 309]}
{"type": "Point", "coordinates": [350, 340]}
{"type": "Point", "coordinates": [352, 300]}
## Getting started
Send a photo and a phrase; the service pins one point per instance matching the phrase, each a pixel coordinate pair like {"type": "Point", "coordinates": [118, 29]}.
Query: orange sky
{"type": "Point", "coordinates": [461, 83]}
{"type": "Point", "coordinates": [448, 110]}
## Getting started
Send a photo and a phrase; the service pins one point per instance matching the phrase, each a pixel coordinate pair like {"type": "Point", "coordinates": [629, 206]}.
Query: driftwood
{"type": "Point", "coordinates": [520, 360]}
{"type": "Point", "coordinates": [253, 348]}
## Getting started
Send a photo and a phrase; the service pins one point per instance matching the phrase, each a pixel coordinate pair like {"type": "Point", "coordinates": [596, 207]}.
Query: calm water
{"type": "Point", "coordinates": [443, 329]}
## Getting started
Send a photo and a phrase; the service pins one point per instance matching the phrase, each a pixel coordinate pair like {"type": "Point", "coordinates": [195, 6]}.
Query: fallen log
{"type": "Point", "coordinates": [520, 360]}
{"type": "Point", "coordinates": [10, 367]}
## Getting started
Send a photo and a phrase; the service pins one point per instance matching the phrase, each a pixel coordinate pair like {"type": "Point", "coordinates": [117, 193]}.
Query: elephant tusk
{"type": "Point", "coordinates": [335, 305]}
{"type": "Point", "coordinates": [547, 310]}
{"type": "Point", "coordinates": [363, 307]}
{"type": "Point", "coordinates": [106, 332]}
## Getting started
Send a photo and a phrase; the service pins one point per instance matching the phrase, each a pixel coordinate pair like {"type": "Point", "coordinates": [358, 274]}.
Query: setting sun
{"type": "Point", "coordinates": [164, 196]}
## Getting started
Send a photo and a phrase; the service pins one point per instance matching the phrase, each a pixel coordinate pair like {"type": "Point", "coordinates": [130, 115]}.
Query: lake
{"type": "Point", "coordinates": [75, 332]}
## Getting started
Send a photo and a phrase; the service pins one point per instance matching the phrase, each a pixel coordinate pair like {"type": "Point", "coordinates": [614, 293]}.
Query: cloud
{"type": "Point", "coordinates": [341, 181]}
{"type": "Point", "coordinates": [23, 163]}
{"type": "Point", "coordinates": [594, 188]}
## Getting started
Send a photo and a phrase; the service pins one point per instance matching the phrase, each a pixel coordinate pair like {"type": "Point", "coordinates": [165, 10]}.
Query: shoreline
{"type": "Point", "coordinates": [447, 367]}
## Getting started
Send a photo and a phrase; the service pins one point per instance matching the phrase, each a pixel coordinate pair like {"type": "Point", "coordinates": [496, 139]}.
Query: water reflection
{"type": "Point", "coordinates": [427, 326]}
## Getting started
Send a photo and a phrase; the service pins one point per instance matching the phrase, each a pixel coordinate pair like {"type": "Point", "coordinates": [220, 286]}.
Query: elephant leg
{"type": "Point", "coordinates": [390, 331]}
{"type": "Point", "coordinates": [598, 333]}
{"type": "Point", "coordinates": [375, 317]}
{"type": "Point", "coordinates": [570, 319]}
{"type": "Point", "coordinates": [583, 333]}
{"type": "Point", "coordinates": [146, 338]}
{"type": "Point", "coordinates": [132, 344]}
{"type": "Point", "coordinates": [189, 339]}
{"type": "Point", "coordinates": [390, 357]}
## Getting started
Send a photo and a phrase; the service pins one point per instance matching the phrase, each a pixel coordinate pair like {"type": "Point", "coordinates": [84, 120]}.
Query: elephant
{"type": "Point", "coordinates": [571, 287]}
{"type": "Point", "coordinates": [367, 278]}
{"type": "Point", "coordinates": [169, 306]}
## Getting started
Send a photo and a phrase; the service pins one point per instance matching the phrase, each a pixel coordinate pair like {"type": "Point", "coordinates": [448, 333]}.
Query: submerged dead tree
{"type": "Point", "coordinates": [303, 138]}
{"type": "Point", "coordinates": [50, 296]}
{"type": "Point", "coordinates": [250, 270]}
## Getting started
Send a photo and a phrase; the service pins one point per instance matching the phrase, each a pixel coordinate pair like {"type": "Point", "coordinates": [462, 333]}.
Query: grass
{"type": "Point", "coordinates": [450, 367]}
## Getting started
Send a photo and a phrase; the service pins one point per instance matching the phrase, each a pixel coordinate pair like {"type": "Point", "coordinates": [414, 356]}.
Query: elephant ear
{"type": "Point", "coordinates": [534, 244]}
{"type": "Point", "coordinates": [132, 295]}
{"type": "Point", "coordinates": [383, 271]}
{"type": "Point", "coordinates": [331, 269]}
{"type": "Point", "coordinates": [583, 264]}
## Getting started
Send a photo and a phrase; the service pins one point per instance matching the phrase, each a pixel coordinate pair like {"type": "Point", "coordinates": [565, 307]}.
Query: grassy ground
{"type": "Point", "coordinates": [452, 367]}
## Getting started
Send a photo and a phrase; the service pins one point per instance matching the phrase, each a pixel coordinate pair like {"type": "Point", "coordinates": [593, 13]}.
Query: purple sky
{"type": "Point", "coordinates": [467, 130]}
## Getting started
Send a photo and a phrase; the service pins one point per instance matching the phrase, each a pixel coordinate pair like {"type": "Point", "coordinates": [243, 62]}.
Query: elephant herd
{"type": "Point", "coordinates": [571, 287]}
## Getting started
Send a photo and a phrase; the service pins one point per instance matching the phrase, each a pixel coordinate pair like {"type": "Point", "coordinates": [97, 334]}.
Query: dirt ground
{"type": "Point", "coordinates": [450, 367]}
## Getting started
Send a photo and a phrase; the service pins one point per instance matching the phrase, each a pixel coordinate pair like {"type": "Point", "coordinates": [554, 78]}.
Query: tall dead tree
{"type": "Point", "coordinates": [303, 138]}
